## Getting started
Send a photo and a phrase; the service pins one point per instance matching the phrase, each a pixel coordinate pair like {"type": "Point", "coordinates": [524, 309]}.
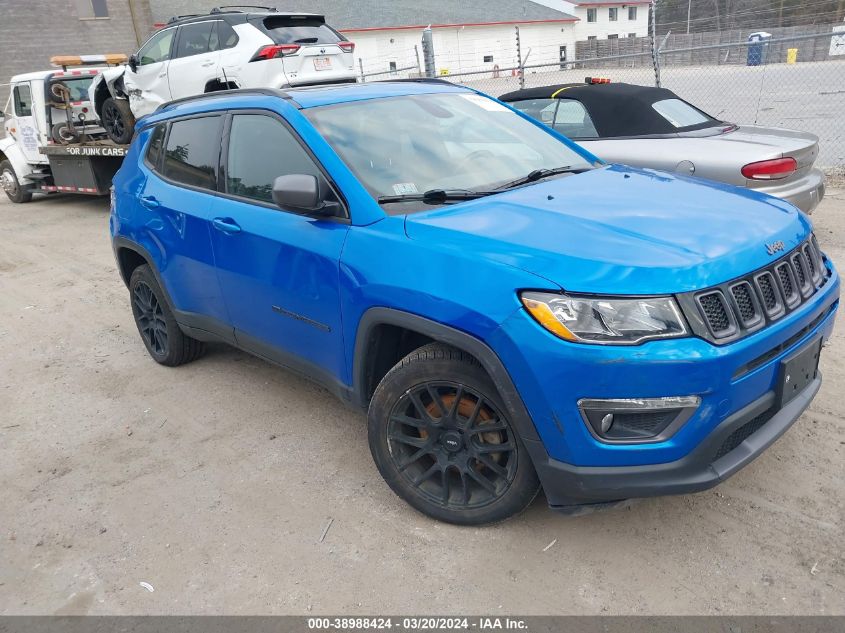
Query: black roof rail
{"type": "Point", "coordinates": [267, 92]}
{"type": "Point", "coordinates": [221, 8]}
{"type": "Point", "coordinates": [176, 18]}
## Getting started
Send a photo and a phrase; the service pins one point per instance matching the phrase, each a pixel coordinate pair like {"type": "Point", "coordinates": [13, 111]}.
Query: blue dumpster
{"type": "Point", "coordinates": [758, 48]}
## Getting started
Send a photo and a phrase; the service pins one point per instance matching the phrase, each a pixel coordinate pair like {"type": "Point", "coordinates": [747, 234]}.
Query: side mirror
{"type": "Point", "coordinates": [304, 194]}
{"type": "Point", "coordinates": [133, 62]}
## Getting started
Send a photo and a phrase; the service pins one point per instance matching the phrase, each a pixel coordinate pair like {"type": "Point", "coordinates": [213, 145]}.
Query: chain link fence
{"type": "Point", "coordinates": [794, 81]}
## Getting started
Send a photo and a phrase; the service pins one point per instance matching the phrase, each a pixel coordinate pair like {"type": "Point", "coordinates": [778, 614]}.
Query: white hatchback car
{"type": "Point", "coordinates": [224, 49]}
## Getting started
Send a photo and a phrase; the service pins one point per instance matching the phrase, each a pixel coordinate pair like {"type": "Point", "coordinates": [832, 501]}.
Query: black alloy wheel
{"type": "Point", "coordinates": [443, 440]}
{"type": "Point", "coordinates": [150, 318]}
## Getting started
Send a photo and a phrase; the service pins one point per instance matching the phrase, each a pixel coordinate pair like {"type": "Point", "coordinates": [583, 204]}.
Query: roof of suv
{"type": "Point", "coordinates": [238, 17]}
{"type": "Point", "coordinates": [305, 97]}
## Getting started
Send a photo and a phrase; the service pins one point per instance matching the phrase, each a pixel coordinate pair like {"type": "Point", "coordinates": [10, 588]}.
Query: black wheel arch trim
{"type": "Point", "coordinates": [489, 360]}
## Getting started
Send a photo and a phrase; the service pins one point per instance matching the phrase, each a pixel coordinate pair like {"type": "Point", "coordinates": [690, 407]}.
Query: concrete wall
{"type": "Point", "coordinates": [32, 31]}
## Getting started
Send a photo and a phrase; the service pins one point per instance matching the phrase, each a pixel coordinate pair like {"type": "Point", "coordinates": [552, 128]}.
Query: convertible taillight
{"type": "Point", "coordinates": [346, 47]}
{"type": "Point", "coordinates": [770, 169]}
{"type": "Point", "coordinates": [273, 51]}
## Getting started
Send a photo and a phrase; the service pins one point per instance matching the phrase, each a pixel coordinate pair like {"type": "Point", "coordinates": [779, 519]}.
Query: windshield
{"type": "Point", "coordinates": [416, 143]}
{"type": "Point", "coordinates": [300, 30]}
{"type": "Point", "coordinates": [78, 88]}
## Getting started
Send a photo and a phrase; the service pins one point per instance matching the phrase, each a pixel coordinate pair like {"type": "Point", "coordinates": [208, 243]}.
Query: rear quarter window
{"type": "Point", "coordinates": [153, 156]}
{"type": "Point", "coordinates": [294, 30]}
{"type": "Point", "coordinates": [680, 113]}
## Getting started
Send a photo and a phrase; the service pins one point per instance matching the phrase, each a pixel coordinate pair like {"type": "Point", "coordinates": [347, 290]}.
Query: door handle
{"type": "Point", "coordinates": [150, 202]}
{"type": "Point", "coordinates": [207, 62]}
{"type": "Point", "coordinates": [227, 225]}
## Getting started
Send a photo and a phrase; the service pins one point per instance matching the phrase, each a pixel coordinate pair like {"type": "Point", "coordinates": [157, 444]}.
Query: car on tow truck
{"type": "Point", "coordinates": [226, 48]}
{"type": "Point", "coordinates": [52, 140]}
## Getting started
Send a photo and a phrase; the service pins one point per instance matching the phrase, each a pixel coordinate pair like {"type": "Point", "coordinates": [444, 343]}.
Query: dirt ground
{"type": "Point", "coordinates": [214, 482]}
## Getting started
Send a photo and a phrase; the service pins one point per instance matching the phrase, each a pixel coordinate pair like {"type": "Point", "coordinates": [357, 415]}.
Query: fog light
{"type": "Point", "coordinates": [606, 423]}
{"type": "Point", "coordinates": [636, 420]}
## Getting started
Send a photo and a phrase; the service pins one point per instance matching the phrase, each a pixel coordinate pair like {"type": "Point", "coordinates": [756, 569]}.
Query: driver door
{"type": "Point", "coordinates": [23, 124]}
{"type": "Point", "coordinates": [147, 84]}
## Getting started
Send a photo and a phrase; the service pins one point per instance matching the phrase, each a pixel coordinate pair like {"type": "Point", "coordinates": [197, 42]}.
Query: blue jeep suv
{"type": "Point", "coordinates": [512, 312]}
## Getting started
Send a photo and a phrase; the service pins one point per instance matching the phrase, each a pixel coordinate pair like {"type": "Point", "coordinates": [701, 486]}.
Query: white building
{"type": "Point", "coordinates": [600, 19]}
{"type": "Point", "coordinates": [469, 35]}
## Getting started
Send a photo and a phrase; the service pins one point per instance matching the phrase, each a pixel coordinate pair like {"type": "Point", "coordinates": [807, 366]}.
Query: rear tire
{"type": "Point", "coordinates": [117, 120]}
{"type": "Point", "coordinates": [11, 185]}
{"type": "Point", "coordinates": [440, 436]}
{"type": "Point", "coordinates": [162, 337]}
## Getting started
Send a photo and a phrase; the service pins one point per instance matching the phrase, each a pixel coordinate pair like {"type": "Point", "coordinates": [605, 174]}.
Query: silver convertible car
{"type": "Point", "coordinates": [653, 127]}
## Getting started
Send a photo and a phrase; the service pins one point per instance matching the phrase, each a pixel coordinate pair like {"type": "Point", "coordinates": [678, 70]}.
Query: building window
{"type": "Point", "coordinates": [88, 9]}
{"type": "Point", "coordinates": [632, 13]}
{"type": "Point", "coordinates": [612, 14]}
{"type": "Point", "coordinates": [391, 66]}
{"type": "Point", "coordinates": [591, 15]}
{"type": "Point", "coordinates": [590, 38]}
{"type": "Point", "coordinates": [488, 59]}
{"type": "Point", "coordinates": [632, 35]}
{"type": "Point", "coordinates": [613, 36]}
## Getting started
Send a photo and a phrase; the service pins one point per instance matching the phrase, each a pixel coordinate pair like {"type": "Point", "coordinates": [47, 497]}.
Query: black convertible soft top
{"type": "Point", "coordinates": [617, 109]}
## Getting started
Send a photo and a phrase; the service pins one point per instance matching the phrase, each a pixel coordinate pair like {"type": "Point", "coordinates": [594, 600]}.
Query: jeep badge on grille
{"type": "Point", "coordinates": [774, 247]}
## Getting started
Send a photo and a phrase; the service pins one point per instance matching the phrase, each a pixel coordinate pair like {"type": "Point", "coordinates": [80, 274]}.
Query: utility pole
{"type": "Point", "coordinates": [689, 11]}
{"type": "Point", "coordinates": [428, 52]}
{"type": "Point", "coordinates": [519, 68]}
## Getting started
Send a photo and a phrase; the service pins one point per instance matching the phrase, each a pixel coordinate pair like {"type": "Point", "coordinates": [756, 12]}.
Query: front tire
{"type": "Point", "coordinates": [11, 185]}
{"type": "Point", "coordinates": [117, 120]}
{"type": "Point", "coordinates": [162, 337]}
{"type": "Point", "coordinates": [441, 438]}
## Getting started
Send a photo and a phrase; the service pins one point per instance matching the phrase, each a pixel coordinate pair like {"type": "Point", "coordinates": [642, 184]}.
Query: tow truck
{"type": "Point", "coordinates": [53, 142]}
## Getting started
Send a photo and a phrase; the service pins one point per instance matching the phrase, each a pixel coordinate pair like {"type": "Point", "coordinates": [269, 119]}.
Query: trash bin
{"type": "Point", "coordinates": [758, 48]}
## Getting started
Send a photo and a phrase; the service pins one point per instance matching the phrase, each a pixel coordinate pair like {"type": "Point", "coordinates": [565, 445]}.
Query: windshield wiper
{"type": "Point", "coordinates": [436, 196]}
{"type": "Point", "coordinates": [537, 174]}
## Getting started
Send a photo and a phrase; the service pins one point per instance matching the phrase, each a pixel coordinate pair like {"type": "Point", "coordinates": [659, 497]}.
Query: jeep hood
{"type": "Point", "coordinates": [619, 230]}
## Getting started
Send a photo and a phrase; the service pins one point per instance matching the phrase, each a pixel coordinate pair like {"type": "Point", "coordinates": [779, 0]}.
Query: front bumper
{"type": "Point", "coordinates": [733, 444]}
{"type": "Point", "coordinates": [805, 193]}
{"type": "Point", "coordinates": [736, 384]}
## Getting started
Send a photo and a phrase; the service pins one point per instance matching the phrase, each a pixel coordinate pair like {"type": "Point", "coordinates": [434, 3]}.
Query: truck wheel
{"type": "Point", "coordinates": [10, 184]}
{"type": "Point", "coordinates": [118, 120]}
{"type": "Point", "coordinates": [441, 438]}
{"type": "Point", "coordinates": [63, 134]}
{"type": "Point", "coordinates": [162, 337]}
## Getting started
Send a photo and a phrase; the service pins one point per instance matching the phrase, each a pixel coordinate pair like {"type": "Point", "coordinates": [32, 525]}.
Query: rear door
{"type": "Point", "coordinates": [147, 85]}
{"type": "Point", "coordinates": [279, 271]}
{"type": "Point", "coordinates": [178, 197]}
{"type": "Point", "coordinates": [196, 59]}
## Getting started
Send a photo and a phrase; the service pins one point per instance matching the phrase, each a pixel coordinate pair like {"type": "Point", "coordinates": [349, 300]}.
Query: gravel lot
{"type": "Point", "coordinates": [214, 482]}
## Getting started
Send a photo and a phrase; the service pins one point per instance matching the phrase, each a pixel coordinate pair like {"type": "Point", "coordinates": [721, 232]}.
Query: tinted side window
{"type": "Point", "coordinates": [193, 39]}
{"type": "Point", "coordinates": [153, 158]}
{"type": "Point", "coordinates": [192, 152]}
{"type": "Point", "coordinates": [157, 49]}
{"type": "Point", "coordinates": [261, 149]}
{"type": "Point", "coordinates": [23, 100]}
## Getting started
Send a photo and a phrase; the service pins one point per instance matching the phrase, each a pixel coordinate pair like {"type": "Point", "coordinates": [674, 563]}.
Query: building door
{"type": "Point", "coordinates": [563, 57]}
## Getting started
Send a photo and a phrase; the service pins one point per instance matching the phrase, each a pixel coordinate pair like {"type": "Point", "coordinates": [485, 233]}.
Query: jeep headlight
{"type": "Point", "coordinates": [606, 320]}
